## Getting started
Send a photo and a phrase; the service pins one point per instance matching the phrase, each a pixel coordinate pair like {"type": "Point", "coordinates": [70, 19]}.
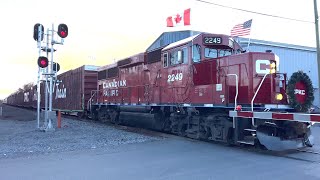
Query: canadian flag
{"type": "Point", "coordinates": [179, 19]}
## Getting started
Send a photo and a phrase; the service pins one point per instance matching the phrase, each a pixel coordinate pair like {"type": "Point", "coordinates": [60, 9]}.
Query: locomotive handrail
{"type": "Point", "coordinates": [89, 103]}
{"type": "Point", "coordinates": [264, 77]}
{"type": "Point", "coordinates": [236, 97]}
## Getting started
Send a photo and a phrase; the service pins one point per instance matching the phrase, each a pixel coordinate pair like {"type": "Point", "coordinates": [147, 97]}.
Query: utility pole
{"type": "Point", "coordinates": [316, 18]}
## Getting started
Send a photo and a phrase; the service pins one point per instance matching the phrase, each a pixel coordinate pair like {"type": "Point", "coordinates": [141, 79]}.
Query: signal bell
{"type": "Point", "coordinates": [63, 30]}
{"type": "Point", "coordinates": [43, 62]}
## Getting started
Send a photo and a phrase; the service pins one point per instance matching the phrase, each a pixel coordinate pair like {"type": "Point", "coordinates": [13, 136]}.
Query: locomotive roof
{"type": "Point", "coordinates": [167, 38]}
{"type": "Point", "coordinates": [137, 58]}
{"type": "Point", "coordinates": [180, 42]}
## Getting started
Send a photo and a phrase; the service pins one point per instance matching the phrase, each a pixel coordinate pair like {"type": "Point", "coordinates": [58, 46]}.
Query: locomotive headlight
{"type": "Point", "coordinates": [273, 65]}
{"type": "Point", "coordinates": [279, 96]}
{"type": "Point", "coordinates": [273, 68]}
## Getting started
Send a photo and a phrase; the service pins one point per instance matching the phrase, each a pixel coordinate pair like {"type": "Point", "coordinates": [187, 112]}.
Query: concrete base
{"type": "Point", "coordinates": [48, 127]}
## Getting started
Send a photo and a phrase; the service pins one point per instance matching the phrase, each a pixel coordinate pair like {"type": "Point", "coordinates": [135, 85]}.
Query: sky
{"type": "Point", "coordinates": [104, 31]}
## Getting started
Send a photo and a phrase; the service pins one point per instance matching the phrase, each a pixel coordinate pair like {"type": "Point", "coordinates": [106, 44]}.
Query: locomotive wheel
{"type": "Point", "coordinates": [167, 125]}
{"type": "Point", "coordinates": [114, 117]}
{"type": "Point", "coordinates": [182, 127]}
{"type": "Point", "coordinates": [94, 115]}
{"type": "Point", "coordinates": [102, 115]}
{"type": "Point", "coordinates": [81, 115]}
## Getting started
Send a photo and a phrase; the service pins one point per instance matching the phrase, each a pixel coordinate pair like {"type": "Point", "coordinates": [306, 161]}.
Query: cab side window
{"type": "Point", "coordinates": [185, 55]}
{"type": "Point", "coordinates": [174, 58]}
{"type": "Point", "coordinates": [165, 60]}
{"type": "Point", "coordinates": [196, 53]}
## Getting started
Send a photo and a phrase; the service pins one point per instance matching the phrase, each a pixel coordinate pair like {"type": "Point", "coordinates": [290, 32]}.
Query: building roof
{"type": "Point", "coordinates": [244, 41]}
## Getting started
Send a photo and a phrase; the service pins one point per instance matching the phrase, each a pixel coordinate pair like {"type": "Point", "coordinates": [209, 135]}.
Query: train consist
{"type": "Point", "coordinates": [71, 92]}
{"type": "Point", "coordinates": [204, 87]}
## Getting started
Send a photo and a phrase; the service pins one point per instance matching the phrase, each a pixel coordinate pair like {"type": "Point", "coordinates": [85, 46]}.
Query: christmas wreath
{"type": "Point", "coordinates": [300, 91]}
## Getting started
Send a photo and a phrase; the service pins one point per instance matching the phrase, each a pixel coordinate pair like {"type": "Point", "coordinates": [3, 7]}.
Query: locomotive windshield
{"type": "Point", "coordinates": [210, 53]}
{"type": "Point", "coordinates": [225, 52]}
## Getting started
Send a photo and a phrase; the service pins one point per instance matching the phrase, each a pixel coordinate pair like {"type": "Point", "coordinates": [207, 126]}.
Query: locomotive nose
{"type": "Point", "coordinates": [275, 143]}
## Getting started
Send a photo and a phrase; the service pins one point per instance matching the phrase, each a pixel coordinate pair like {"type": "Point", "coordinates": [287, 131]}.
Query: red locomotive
{"type": "Point", "coordinates": [195, 88]}
{"type": "Point", "coordinates": [206, 87]}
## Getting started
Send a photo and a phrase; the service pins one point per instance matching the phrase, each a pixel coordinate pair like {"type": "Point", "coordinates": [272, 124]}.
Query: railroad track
{"type": "Point", "coordinates": [125, 128]}
{"type": "Point", "coordinates": [312, 156]}
{"type": "Point", "coordinates": [309, 151]}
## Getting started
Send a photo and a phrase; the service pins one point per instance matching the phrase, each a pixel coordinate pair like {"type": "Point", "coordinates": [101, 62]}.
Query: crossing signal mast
{"type": "Point", "coordinates": [47, 69]}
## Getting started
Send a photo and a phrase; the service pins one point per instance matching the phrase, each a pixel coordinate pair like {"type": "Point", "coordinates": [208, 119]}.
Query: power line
{"type": "Point", "coordinates": [254, 12]}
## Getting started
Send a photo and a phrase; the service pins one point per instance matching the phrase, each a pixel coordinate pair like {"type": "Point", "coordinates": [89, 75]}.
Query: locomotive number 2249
{"type": "Point", "coordinates": [175, 77]}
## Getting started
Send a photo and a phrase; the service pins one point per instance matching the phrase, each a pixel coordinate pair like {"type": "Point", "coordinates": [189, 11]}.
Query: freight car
{"type": "Point", "coordinates": [70, 93]}
{"type": "Point", "coordinates": [74, 90]}
{"type": "Point", "coordinates": [207, 87]}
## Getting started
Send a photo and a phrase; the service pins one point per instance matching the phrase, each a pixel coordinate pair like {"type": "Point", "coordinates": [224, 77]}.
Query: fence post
{"type": "Point", "coordinates": [59, 119]}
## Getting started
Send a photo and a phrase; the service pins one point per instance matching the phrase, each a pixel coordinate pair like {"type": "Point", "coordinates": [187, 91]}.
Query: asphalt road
{"type": "Point", "coordinates": [160, 160]}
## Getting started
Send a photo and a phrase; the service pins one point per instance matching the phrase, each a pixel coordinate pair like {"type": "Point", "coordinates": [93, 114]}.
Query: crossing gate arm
{"type": "Point", "coordinates": [315, 118]}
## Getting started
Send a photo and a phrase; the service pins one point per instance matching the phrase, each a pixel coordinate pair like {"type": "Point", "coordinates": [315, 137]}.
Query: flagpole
{"type": "Point", "coordinates": [243, 29]}
{"type": "Point", "coordinates": [249, 39]}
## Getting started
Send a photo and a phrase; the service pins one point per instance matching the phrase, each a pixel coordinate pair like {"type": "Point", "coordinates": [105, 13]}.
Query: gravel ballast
{"type": "Point", "coordinates": [22, 138]}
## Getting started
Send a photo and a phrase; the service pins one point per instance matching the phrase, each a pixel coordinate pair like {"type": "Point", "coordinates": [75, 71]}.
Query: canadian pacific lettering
{"type": "Point", "coordinates": [113, 84]}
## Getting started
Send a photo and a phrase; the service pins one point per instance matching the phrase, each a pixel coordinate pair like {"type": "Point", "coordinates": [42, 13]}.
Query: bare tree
{"type": "Point", "coordinates": [28, 86]}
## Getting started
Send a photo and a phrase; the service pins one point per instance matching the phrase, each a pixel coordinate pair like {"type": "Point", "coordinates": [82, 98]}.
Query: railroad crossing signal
{"type": "Point", "coordinates": [63, 30]}
{"type": "Point", "coordinates": [51, 70]}
{"type": "Point", "coordinates": [36, 32]}
{"type": "Point", "coordinates": [43, 62]}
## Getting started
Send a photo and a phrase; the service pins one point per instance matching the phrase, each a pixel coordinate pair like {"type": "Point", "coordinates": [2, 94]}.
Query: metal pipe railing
{"type": "Point", "coordinates": [237, 90]}
{"type": "Point", "coordinates": [264, 77]}
{"type": "Point", "coordinates": [235, 98]}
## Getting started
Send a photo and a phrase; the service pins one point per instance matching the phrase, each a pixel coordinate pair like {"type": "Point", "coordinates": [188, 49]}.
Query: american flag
{"type": "Point", "coordinates": [242, 29]}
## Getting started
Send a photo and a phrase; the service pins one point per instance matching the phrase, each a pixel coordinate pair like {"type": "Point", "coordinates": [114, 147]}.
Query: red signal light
{"type": "Point", "coordinates": [62, 34]}
{"type": "Point", "coordinates": [43, 62]}
{"type": "Point", "coordinates": [63, 30]}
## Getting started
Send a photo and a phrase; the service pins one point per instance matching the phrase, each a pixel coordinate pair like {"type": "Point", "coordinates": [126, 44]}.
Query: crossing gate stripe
{"type": "Point", "coordinates": [302, 117]}
{"type": "Point", "coordinates": [277, 116]}
{"type": "Point", "coordinates": [315, 118]}
{"type": "Point", "coordinates": [245, 114]}
{"type": "Point", "coordinates": [282, 116]}
{"type": "Point", "coordinates": [233, 113]}
{"type": "Point", "coordinates": [263, 115]}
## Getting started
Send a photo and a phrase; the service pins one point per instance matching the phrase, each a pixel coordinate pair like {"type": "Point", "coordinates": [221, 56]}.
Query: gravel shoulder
{"type": "Point", "coordinates": [19, 136]}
